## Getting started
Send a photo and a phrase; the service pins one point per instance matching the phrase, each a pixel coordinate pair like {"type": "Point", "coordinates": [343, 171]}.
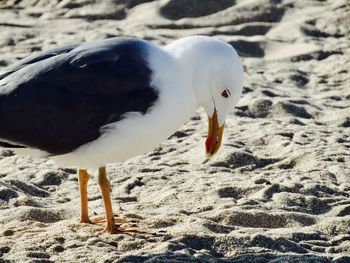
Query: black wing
{"type": "Point", "coordinates": [35, 58]}
{"type": "Point", "coordinates": [59, 102]}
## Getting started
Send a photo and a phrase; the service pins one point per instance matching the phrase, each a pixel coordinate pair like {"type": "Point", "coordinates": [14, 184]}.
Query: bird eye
{"type": "Point", "coordinates": [226, 93]}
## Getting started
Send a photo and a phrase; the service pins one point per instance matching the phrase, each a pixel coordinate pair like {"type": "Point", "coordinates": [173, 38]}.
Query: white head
{"type": "Point", "coordinates": [217, 77]}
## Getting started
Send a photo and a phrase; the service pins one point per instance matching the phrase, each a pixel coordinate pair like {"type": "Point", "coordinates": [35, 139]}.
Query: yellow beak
{"type": "Point", "coordinates": [213, 142]}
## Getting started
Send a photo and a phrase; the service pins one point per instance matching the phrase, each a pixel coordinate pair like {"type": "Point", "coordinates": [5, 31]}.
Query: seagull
{"type": "Point", "coordinates": [89, 104]}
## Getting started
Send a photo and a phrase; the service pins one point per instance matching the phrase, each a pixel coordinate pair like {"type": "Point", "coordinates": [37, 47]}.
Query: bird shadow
{"type": "Point", "coordinates": [247, 258]}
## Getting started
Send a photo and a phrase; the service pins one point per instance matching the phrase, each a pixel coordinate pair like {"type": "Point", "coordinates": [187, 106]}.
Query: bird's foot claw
{"type": "Point", "coordinates": [120, 226]}
{"type": "Point", "coordinates": [102, 220]}
{"type": "Point", "coordinates": [85, 220]}
{"type": "Point", "coordinates": [117, 229]}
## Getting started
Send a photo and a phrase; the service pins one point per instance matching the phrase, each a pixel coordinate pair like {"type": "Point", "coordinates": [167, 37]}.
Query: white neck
{"type": "Point", "coordinates": [177, 100]}
{"type": "Point", "coordinates": [194, 55]}
{"type": "Point", "coordinates": [183, 51]}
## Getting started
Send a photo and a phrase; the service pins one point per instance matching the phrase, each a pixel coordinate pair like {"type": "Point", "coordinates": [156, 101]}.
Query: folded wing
{"type": "Point", "coordinates": [58, 100]}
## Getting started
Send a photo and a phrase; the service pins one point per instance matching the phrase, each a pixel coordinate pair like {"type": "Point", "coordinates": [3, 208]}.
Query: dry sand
{"type": "Point", "coordinates": [279, 189]}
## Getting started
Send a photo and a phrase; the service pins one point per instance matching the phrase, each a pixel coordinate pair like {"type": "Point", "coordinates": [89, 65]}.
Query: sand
{"type": "Point", "coordinates": [279, 189]}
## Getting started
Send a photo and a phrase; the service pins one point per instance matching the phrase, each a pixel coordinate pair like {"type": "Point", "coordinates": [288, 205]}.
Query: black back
{"type": "Point", "coordinates": [58, 100]}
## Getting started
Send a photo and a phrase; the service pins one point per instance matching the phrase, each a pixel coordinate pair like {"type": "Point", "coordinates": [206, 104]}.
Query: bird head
{"type": "Point", "coordinates": [218, 85]}
{"type": "Point", "coordinates": [216, 73]}
{"type": "Point", "coordinates": [223, 94]}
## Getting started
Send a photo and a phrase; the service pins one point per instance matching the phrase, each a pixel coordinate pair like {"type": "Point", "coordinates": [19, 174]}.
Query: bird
{"type": "Point", "coordinates": [89, 104]}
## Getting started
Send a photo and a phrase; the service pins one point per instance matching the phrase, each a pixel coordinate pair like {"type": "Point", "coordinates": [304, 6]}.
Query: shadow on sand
{"type": "Point", "coordinates": [248, 258]}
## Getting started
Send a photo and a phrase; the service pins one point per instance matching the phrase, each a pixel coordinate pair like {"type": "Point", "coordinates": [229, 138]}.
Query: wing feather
{"type": "Point", "coordinates": [59, 102]}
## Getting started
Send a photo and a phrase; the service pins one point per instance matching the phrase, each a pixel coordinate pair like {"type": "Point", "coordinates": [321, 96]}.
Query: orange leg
{"type": "Point", "coordinates": [105, 187]}
{"type": "Point", "coordinates": [111, 226]}
{"type": "Point", "coordinates": [83, 181]}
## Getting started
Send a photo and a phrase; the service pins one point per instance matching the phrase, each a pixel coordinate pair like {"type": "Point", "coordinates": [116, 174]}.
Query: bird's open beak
{"type": "Point", "coordinates": [213, 142]}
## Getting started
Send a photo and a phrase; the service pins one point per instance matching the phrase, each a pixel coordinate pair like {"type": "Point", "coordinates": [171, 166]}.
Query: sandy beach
{"type": "Point", "coordinates": [277, 191]}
